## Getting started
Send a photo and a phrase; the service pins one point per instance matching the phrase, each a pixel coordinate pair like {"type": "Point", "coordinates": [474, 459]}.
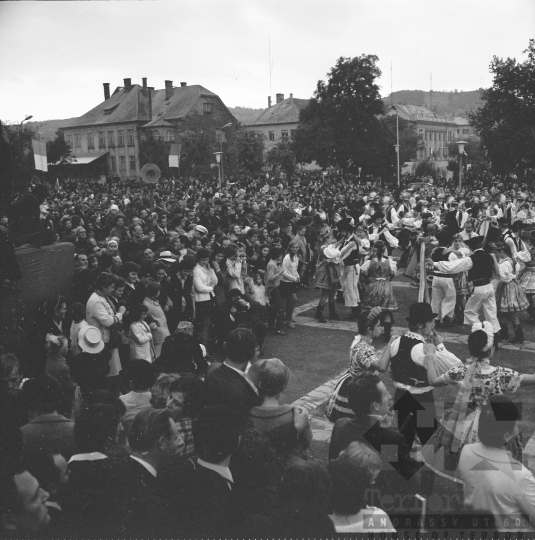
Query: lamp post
{"type": "Point", "coordinates": [21, 139]}
{"type": "Point", "coordinates": [396, 146]}
{"type": "Point", "coordinates": [219, 164]}
{"type": "Point", "coordinates": [222, 170]}
{"type": "Point", "coordinates": [460, 145]}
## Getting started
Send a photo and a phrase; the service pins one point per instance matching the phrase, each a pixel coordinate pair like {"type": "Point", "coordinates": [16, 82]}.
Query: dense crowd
{"type": "Point", "coordinates": [139, 402]}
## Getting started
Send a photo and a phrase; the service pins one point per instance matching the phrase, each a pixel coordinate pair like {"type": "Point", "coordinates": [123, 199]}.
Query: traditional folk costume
{"type": "Point", "coordinates": [510, 297]}
{"type": "Point", "coordinates": [351, 275]}
{"type": "Point", "coordinates": [379, 291]}
{"type": "Point", "coordinates": [460, 425]}
{"type": "Point", "coordinates": [480, 266]}
{"type": "Point", "coordinates": [443, 290]}
{"type": "Point", "coordinates": [362, 358]}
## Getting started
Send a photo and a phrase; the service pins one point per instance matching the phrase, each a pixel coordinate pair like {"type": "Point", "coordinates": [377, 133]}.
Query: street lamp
{"type": "Point", "coordinates": [396, 146]}
{"type": "Point", "coordinates": [21, 139]}
{"type": "Point", "coordinates": [222, 170]}
{"type": "Point", "coordinates": [219, 163]}
{"type": "Point", "coordinates": [460, 145]}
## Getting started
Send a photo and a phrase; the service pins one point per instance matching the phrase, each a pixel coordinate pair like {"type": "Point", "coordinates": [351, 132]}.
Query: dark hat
{"type": "Point", "coordinates": [270, 375]}
{"type": "Point", "coordinates": [421, 312]}
{"type": "Point", "coordinates": [504, 221]}
{"type": "Point", "coordinates": [377, 215]}
{"type": "Point", "coordinates": [473, 243]}
{"type": "Point", "coordinates": [345, 224]}
{"type": "Point", "coordinates": [532, 236]}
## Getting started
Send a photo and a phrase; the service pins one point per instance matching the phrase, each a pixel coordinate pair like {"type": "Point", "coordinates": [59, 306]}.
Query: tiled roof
{"type": "Point", "coordinates": [284, 112]}
{"type": "Point", "coordinates": [133, 106]}
{"type": "Point", "coordinates": [415, 112]}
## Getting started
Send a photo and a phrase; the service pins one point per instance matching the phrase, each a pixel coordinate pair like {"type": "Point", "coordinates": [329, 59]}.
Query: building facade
{"type": "Point", "coordinates": [113, 130]}
{"type": "Point", "coordinates": [278, 121]}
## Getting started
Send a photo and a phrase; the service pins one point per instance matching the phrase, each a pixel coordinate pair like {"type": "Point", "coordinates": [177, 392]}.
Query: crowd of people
{"type": "Point", "coordinates": [143, 406]}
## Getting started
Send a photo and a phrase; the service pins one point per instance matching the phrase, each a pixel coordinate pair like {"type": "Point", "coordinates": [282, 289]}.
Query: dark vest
{"type": "Point", "coordinates": [404, 369]}
{"type": "Point", "coordinates": [388, 214]}
{"type": "Point", "coordinates": [352, 258]}
{"type": "Point", "coordinates": [509, 235]}
{"type": "Point", "coordinates": [439, 255]}
{"type": "Point", "coordinates": [483, 264]}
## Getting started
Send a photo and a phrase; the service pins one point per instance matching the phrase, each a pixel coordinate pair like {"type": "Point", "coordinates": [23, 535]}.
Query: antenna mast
{"type": "Point", "coordinates": [391, 97]}
{"type": "Point", "coordinates": [270, 63]}
{"type": "Point", "coordinates": [431, 90]}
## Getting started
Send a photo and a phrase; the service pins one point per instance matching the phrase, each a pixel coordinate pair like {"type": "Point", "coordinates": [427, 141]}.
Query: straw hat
{"type": "Point", "coordinates": [90, 340]}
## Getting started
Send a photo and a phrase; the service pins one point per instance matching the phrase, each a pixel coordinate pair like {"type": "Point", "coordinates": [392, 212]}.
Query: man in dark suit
{"type": "Point", "coordinates": [207, 492]}
{"type": "Point", "coordinates": [369, 400]}
{"type": "Point", "coordinates": [180, 291]}
{"type": "Point", "coordinates": [226, 383]}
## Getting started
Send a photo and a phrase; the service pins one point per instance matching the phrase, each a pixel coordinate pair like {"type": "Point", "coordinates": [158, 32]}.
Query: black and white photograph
{"type": "Point", "coordinates": [267, 269]}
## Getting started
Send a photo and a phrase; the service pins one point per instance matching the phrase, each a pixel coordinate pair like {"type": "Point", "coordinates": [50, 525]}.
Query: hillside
{"type": "Point", "coordinates": [456, 103]}
{"type": "Point", "coordinates": [244, 114]}
{"type": "Point", "coordinates": [48, 128]}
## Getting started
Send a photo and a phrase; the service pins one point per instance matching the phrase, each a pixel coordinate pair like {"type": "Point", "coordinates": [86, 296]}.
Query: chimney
{"type": "Point", "coordinates": [183, 84]}
{"type": "Point", "coordinates": [280, 97]}
{"type": "Point", "coordinates": [106, 90]}
{"type": "Point", "coordinates": [269, 101]}
{"type": "Point", "coordinates": [150, 89]}
{"type": "Point", "coordinates": [127, 85]}
{"type": "Point", "coordinates": [144, 86]}
{"type": "Point", "coordinates": [168, 89]}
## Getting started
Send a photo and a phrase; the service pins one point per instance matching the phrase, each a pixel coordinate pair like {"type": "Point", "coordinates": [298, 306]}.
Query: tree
{"type": "Point", "coordinates": [154, 150]}
{"type": "Point", "coordinates": [248, 149]}
{"type": "Point", "coordinates": [506, 123]}
{"type": "Point", "coordinates": [408, 137]}
{"type": "Point", "coordinates": [197, 153]}
{"type": "Point", "coordinates": [339, 126]}
{"type": "Point", "coordinates": [58, 150]}
{"type": "Point", "coordinates": [281, 157]}
{"type": "Point", "coordinates": [20, 143]}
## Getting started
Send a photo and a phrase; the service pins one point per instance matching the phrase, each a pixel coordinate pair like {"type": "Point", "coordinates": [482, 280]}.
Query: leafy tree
{"type": "Point", "coordinates": [22, 162]}
{"type": "Point", "coordinates": [154, 150]}
{"type": "Point", "coordinates": [58, 150]}
{"type": "Point", "coordinates": [339, 126]}
{"type": "Point", "coordinates": [408, 138]}
{"type": "Point", "coordinates": [506, 123]}
{"type": "Point", "coordinates": [425, 168]}
{"type": "Point", "coordinates": [248, 149]}
{"type": "Point", "coordinates": [281, 157]}
{"type": "Point", "coordinates": [197, 153]}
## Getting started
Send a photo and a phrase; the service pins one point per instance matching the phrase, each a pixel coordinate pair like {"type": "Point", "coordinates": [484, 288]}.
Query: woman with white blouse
{"type": "Point", "coordinates": [290, 280]}
{"type": "Point", "coordinates": [510, 297]}
{"type": "Point", "coordinates": [235, 267]}
{"type": "Point", "coordinates": [204, 281]}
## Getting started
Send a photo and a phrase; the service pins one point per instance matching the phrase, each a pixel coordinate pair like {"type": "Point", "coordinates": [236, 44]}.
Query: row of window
{"type": "Point", "coordinates": [284, 134]}
{"type": "Point", "coordinates": [122, 163]}
{"type": "Point", "coordinates": [156, 135]}
{"type": "Point", "coordinates": [75, 141]}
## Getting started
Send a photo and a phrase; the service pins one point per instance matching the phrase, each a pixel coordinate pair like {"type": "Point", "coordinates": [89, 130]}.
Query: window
{"type": "Point", "coordinates": [69, 140]}
{"type": "Point", "coordinates": [207, 108]}
{"type": "Point", "coordinates": [466, 131]}
{"type": "Point", "coordinates": [130, 137]}
{"type": "Point", "coordinates": [143, 136]}
{"type": "Point", "coordinates": [450, 136]}
{"type": "Point", "coordinates": [90, 141]}
{"type": "Point", "coordinates": [292, 133]}
{"type": "Point", "coordinates": [120, 136]}
{"type": "Point", "coordinates": [111, 138]}
{"type": "Point", "coordinates": [169, 136]}
{"type": "Point", "coordinates": [271, 135]}
{"type": "Point", "coordinates": [284, 133]}
{"type": "Point", "coordinates": [445, 151]}
{"type": "Point", "coordinates": [156, 135]}
{"type": "Point", "coordinates": [421, 133]}
{"type": "Point", "coordinates": [101, 141]}
{"type": "Point", "coordinates": [113, 163]}
{"type": "Point", "coordinates": [77, 140]}
{"type": "Point", "coordinates": [122, 163]}
{"type": "Point", "coordinates": [133, 164]}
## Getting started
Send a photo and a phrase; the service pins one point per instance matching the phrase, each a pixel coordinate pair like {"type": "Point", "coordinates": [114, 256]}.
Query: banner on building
{"type": "Point", "coordinates": [39, 155]}
{"type": "Point", "coordinates": [174, 155]}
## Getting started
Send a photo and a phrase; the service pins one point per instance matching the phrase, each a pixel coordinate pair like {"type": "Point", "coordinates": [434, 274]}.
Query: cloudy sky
{"type": "Point", "coordinates": [54, 56]}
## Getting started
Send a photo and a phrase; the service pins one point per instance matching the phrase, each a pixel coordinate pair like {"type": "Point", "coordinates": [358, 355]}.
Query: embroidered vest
{"type": "Point", "coordinates": [404, 369]}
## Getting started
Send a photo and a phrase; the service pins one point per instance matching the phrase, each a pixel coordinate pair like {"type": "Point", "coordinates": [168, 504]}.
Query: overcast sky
{"type": "Point", "coordinates": [54, 56]}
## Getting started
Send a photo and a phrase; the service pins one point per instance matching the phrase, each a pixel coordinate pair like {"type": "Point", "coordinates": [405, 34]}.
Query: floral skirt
{"type": "Point", "coordinates": [510, 297]}
{"type": "Point", "coordinates": [527, 280]}
{"type": "Point", "coordinates": [380, 294]}
{"type": "Point", "coordinates": [440, 458]}
{"type": "Point", "coordinates": [461, 284]}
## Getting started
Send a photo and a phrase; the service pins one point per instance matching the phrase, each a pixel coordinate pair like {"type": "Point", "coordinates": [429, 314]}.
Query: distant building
{"type": "Point", "coordinates": [435, 131]}
{"type": "Point", "coordinates": [112, 131]}
{"type": "Point", "coordinates": [278, 121]}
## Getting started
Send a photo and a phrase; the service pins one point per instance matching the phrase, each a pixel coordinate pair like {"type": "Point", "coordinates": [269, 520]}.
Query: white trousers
{"type": "Point", "coordinates": [444, 297]}
{"type": "Point", "coordinates": [482, 297]}
{"type": "Point", "coordinates": [351, 281]}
